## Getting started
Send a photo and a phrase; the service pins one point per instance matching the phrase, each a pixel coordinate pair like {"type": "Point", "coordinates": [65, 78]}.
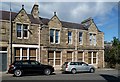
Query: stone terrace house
{"type": "Point", "coordinates": [50, 41]}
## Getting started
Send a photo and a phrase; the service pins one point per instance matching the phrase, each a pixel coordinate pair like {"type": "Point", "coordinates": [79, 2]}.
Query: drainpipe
{"type": "Point", "coordinates": [10, 40]}
{"type": "Point", "coordinates": [39, 44]}
{"type": "Point", "coordinates": [76, 45]}
{"type": "Point", "coordinates": [40, 28]}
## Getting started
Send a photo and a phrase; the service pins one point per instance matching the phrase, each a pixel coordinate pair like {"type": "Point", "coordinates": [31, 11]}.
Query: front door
{"type": "Point", "coordinates": [3, 63]}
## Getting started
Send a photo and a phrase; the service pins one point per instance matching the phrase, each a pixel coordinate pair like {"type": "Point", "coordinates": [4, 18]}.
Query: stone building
{"type": "Point", "coordinates": [50, 41]}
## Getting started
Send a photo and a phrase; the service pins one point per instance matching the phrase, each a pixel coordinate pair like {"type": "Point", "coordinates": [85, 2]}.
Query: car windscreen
{"type": "Point", "coordinates": [17, 62]}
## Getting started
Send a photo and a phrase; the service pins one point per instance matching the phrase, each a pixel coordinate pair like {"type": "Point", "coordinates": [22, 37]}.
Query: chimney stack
{"type": "Point", "coordinates": [35, 11]}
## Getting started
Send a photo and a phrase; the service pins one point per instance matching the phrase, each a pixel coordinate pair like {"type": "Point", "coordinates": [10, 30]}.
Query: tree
{"type": "Point", "coordinates": [112, 53]}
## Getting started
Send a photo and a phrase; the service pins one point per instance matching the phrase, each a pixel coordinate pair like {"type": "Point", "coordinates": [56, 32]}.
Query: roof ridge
{"type": "Point", "coordinates": [70, 22]}
{"type": "Point", "coordinates": [44, 17]}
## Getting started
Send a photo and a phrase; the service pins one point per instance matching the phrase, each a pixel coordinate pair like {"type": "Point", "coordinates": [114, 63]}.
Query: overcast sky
{"type": "Point", "coordinates": [105, 14]}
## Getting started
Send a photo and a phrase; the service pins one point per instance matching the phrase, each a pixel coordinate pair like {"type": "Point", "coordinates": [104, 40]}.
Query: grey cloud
{"type": "Point", "coordinates": [68, 11]}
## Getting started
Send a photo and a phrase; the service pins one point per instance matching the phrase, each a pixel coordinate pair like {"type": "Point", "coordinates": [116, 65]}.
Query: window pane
{"type": "Point", "coordinates": [51, 54]}
{"type": "Point", "coordinates": [25, 33]}
{"type": "Point", "coordinates": [80, 56]}
{"type": "Point", "coordinates": [94, 39]}
{"type": "Point", "coordinates": [94, 54]}
{"type": "Point", "coordinates": [89, 57]}
{"type": "Point", "coordinates": [32, 52]}
{"type": "Point", "coordinates": [80, 37]}
{"type": "Point", "coordinates": [89, 60]}
{"type": "Point", "coordinates": [50, 61]}
{"type": "Point", "coordinates": [57, 62]}
{"type": "Point", "coordinates": [25, 27]}
{"type": "Point", "coordinates": [24, 52]}
{"type": "Point", "coordinates": [51, 35]}
{"type": "Point", "coordinates": [90, 39]}
{"type": "Point", "coordinates": [17, 51]}
{"type": "Point", "coordinates": [80, 59]}
{"type": "Point", "coordinates": [25, 30]}
{"type": "Point", "coordinates": [58, 54]}
{"type": "Point", "coordinates": [94, 60]}
{"type": "Point", "coordinates": [57, 37]}
{"type": "Point", "coordinates": [18, 33]}
{"type": "Point", "coordinates": [19, 30]}
{"type": "Point", "coordinates": [89, 54]}
{"type": "Point", "coordinates": [70, 37]}
{"type": "Point", "coordinates": [69, 56]}
{"type": "Point", "coordinates": [69, 60]}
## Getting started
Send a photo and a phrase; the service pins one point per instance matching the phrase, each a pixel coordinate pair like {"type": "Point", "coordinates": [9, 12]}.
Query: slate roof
{"type": "Point", "coordinates": [65, 24]}
{"type": "Point", "coordinates": [5, 15]}
{"type": "Point", "coordinates": [72, 25]}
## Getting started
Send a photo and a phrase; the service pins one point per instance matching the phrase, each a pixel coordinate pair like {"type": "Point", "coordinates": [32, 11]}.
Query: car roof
{"type": "Point", "coordinates": [24, 60]}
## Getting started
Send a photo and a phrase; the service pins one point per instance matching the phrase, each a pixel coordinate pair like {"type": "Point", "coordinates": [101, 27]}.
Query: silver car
{"type": "Point", "coordinates": [75, 67]}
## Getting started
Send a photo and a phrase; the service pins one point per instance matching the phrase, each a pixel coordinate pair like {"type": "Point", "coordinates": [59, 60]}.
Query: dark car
{"type": "Point", "coordinates": [18, 68]}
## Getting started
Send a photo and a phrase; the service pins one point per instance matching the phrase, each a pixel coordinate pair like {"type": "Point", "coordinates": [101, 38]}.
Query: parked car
{"type": "Point", "coordinates": [18, 68]}
{"type": "Point", "coordinates": [75, 67]}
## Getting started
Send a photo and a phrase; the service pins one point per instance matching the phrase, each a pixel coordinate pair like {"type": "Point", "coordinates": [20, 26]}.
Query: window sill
{"type": "Point", "coordinates": [19, 37]}
{"type": "Point", "coordinates": [25, 38]}
{"type": "Point", "coordinates": [54, 43]}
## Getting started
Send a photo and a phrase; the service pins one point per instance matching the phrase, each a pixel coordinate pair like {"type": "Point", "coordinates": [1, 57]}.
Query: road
{"type": "Point", "coordinates": [101, 74]}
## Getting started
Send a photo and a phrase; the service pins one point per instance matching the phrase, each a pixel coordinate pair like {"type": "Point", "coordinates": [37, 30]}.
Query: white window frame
{"type": "Point", "coordinates": [70, 42]}
{"type": "Point", "coordinates": [58, 36]}
{"type": "Point", "coordinates": [94, 57]}
{"type": "Point", "coordinates": [17, 31]}
{"type": "Point", "coordinates": [92, 39]}
{"type": "Point", "coordinates": [82, 55]}
{"type": "Point", "coordinates": [80, 42]}
{"type": "Point", "coordinates": [27, 32]}
{"type": "Point", "coordinates": [54, 36]}
{"type": "Point", "coordinates": [22, 30]}
{"type": "Point", "coordinates": [54, 59]}
{"type": "Point", "coordinates": [28, 48]}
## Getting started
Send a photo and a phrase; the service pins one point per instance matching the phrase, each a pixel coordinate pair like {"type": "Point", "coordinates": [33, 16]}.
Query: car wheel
{"type": "Point", "coordinates": [73, 71]}
{"type": "Point", "coordinates": [17, 73]}
{"type": "Point", "coordinates": [47, 71]}
{"type": "Point", "coordinates": [92, 70]}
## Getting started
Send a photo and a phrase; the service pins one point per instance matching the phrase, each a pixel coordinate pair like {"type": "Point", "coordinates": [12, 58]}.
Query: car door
{"type": "Point", "coordinates": [36, 66]}
{"type": "Point", "coordinates": [26, 67]}
{"type": "Point", "coordinates": [85, 66]}
{"type": "Point", "coordinates": [80, 68]}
